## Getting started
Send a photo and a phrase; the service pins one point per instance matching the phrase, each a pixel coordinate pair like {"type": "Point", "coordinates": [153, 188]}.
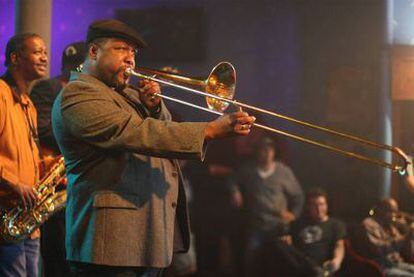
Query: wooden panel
{"type": "Point", "coordinates": [402, 83]}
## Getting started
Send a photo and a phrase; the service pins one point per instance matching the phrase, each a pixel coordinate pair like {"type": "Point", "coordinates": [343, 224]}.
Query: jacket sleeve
{"type": "Point", "coordinates": [94, 117]}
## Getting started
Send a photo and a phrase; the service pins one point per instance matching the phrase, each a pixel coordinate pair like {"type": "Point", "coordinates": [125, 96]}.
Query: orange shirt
{"type": "Point", "coordinates": [19, 154]}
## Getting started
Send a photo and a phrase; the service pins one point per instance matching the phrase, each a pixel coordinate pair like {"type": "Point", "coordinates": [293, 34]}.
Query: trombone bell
{"type": "Point", "coordinates": [221, 82]}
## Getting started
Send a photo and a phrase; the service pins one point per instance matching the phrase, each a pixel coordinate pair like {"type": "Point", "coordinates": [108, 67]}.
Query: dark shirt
{"type": "Point", "coordinates": [317, 239]}
{"type": "Point", "coordinates": [43, 94]}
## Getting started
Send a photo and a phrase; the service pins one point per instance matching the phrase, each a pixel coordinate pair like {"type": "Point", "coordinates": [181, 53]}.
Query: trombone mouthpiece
{"type": "Point", "coordinates": [128, 71]}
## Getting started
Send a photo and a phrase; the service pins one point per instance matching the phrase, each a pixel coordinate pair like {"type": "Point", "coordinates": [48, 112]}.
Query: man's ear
{"type": "Point", "coordinates": [14, 58]}
{"type": "Point", "coordinates": [93, 51]}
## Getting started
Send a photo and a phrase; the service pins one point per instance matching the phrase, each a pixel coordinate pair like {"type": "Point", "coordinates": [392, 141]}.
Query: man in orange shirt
{"type": "Point", "coordinates": [26, 61]}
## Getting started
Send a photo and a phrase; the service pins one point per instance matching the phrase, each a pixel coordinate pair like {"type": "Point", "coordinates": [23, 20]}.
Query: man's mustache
{"type": "Point", "coordinates": [114, 78]}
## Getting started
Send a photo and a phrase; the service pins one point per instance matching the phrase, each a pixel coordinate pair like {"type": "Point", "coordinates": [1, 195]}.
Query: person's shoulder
{"type": "Point", "coordinates": [285, 170]}
{"type": "Point", "coordinates": [73, 86]}
{"type": "Point", "coordinates": [80, 86]}
{"type": "Point", "coordinates": [52, 82]}
{"type": "Point", "coordinates": [336, 222]}
{"type": "Point", "coordinates": [77, 82]}
{"type": "Point", "coordinates": [336, 227]}
{"type": "Point", "coordinates": [44, 82]}
{"type": "Point", "coordinates": [3, 85]}
{"type": "Point", "coordinates": [369, 222]}
{"type": "Point", "coordinates": [246, 166]}
{"type": "Point", "coordinates": [282, 166]}
{"type": "Point", "coordinates": [300, 223]}
{"type": "Point", "coordinates": [46, 87]}
{"type": "Point", "coordinates": [5, 91]}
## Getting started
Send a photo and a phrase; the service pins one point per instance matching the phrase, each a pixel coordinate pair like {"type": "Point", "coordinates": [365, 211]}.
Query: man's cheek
{"type": "Point", "coordinates": [108, 62]}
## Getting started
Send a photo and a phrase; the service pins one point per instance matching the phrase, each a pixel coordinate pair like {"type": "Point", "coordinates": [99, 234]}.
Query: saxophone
{"type": "Point", "coordinates": [17, 223]}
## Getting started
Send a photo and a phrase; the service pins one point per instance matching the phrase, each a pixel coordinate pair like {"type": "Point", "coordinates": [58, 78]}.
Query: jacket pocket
{"type": "Point", "coordinates": [115, 200]}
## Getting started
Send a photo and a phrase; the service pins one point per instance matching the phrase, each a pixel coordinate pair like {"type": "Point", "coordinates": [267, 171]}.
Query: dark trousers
{"type": "Point", "coordinates": [20, 259]}
{"type": "Point", "coordinates": [92, 270]}
{"type": "Point", "coordinates": [53, 247]}
{"type": "Point", "coordinates": [266, 255]}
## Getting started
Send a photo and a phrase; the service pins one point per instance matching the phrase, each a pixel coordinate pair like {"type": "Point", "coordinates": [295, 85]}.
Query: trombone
{"type": "Point", "coordinates": [219, 89]}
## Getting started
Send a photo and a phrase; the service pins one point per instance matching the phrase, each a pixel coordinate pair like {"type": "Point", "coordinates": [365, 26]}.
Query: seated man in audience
{"type": "Point", "coordinates": [387, 240]}
{"type": "Point", "coordinates": [319, 237]}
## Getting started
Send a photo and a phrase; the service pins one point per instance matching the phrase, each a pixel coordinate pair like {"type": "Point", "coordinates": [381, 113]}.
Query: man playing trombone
{"type": "Point", "coordinates": [126, 210]}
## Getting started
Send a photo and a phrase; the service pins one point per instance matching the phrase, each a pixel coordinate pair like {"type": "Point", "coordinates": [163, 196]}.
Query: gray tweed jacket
{"type": "Point", "coordinates": [125, 195]}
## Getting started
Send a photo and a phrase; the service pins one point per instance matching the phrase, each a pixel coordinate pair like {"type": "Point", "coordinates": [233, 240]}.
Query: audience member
{"type": "Point", "coordinates": [318, 236]}
{"type": "Point", "coordinates": [272, 197]}
{"type": "Point", "coordinates": [386, 242]}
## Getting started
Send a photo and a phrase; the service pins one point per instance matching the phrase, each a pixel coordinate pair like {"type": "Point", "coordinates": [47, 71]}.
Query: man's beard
{"type": "Point", "coordinates": [115, 84]}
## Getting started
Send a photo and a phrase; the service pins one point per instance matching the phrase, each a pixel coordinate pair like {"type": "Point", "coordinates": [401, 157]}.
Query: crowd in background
{"type": "Point", "coordinates": [251, 217]}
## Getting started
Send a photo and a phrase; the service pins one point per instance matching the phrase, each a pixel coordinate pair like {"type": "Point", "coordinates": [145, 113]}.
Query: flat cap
{"type": "Point", "coordinates": [111, 28]}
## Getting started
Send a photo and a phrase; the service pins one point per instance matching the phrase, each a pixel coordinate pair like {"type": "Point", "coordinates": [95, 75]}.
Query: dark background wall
{"type": "Point", "coordinates": [342, 44]}
{"type": "Point", "coordinates": [317, 60]}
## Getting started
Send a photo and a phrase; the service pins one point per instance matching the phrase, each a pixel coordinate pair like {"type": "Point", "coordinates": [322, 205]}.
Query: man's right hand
{"type": "Point", "coordinates": [26, 194]}
{"type": "Point", "coordinates": [238, 123]}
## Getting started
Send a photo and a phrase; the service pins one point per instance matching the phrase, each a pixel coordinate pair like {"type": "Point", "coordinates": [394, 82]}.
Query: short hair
{"type": "Point", "coordinates": [97, 41]}
{"type": "Point", "coordinates": [16, 44]}
{"type": "Point", "coordinates": [266, 141]}
{"type": "Point", "coordinates": [315, 193]}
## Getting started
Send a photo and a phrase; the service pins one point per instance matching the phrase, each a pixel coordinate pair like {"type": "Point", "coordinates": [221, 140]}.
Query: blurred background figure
{"type": "Point", "coordinates": [44, 92]}
{"type": "Point", "coordinates": [319, 237]}
{"type": "Point", "coordinates": [43, 95]}
{"type": "Point", "coordinates": [272, 197]}
{"type": "Point", "coordinates": [388, 239]}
